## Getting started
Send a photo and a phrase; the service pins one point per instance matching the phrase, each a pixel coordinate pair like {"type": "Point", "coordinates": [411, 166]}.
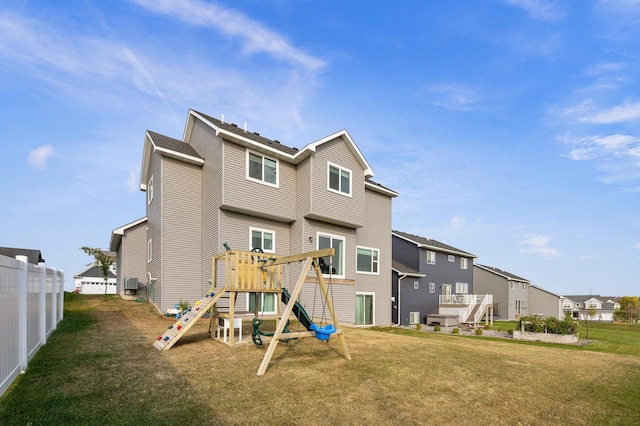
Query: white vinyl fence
{"type": "Point", "coordinates": [31, 305]}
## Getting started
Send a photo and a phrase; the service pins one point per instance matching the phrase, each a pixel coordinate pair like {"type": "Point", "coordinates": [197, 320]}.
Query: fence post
{"type": "Point", "coordinates": [22, 312]}
{"type": "Point", "coordinates": [54, 300]}
{"type": "Point", "coordinates": [42, 303]}
{"type": "Point", "coordinates": [61, 297]}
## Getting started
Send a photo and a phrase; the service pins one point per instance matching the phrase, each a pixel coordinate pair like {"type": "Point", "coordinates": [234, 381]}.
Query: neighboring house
{"type": "Point", "coordinates": [91, 281]}
{"type": "Point", "coordinates": [129, 242]}
{"type": "Point", "coordinates": [545, 303]}
{"type": "Point", "coordinates": [34, 256]}
{"type": "Point", "coordinates": [579, 306]}
{"type": "Point", "coordinates": [432, 278]}
{"type": "Point", "coordinates": [222, 184]}
{"type": "Point", "coordinates": [510, 292]}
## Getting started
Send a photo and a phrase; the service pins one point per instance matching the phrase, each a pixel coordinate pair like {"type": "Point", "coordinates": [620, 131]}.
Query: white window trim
{"type": "Point", "coordinates": [340, 168]}
{"type": "Point", "coordinates": [462, 286]}
{"type": "Point", "coordinates": [273, 233]}
{"type": "Point", "coordinates": [150, 190]}
{"type": "Point", "coordinates": [262, 181]}
{"type": "Point", "coordinates": [464, 263]}
{"type": "Point", "coordinates": [432, 287]}
{"type": "Point", "coordinates": [150, 250]}
{"type": "Point", "coordinates": [416, 285]}
{"type": "Point", "coordinates": [262, 296]}
{"type": "Point", "coordinates": [412, 319]}
{"type": "Point", "coordinates": [372, 250]}
{"type": "Point", "coordinates": [434, 257]}
{"type": "Point", "coordinates": [367, 293]}
{"type": "Point", "coordinates": [451, 258]}
{"type": "Point", "coordinates": [344, 250]}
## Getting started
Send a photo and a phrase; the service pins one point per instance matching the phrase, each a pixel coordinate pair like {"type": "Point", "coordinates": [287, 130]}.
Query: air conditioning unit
{"type": "Point", "coordinates": [130, 283]}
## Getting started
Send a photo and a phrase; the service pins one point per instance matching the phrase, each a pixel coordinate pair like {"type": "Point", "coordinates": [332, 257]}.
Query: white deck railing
{"type": "Point", "coordinates": [484, 301]}
{"type": "Point", "coordinates": [465, 304]}
{"type": "Point", "coordinates": [31, 305]}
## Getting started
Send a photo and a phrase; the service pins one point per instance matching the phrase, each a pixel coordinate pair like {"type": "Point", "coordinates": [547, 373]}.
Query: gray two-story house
{"type": "Point", "coordinates": [222, 185]}
{"type": "Point", "coordinates": [510, 292]}
{"type": "Point", "coordinates": [431, 278]}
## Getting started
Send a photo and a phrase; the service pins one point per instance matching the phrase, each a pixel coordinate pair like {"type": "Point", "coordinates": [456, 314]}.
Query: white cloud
{"type": "Point", "coordinates": [457, 221]}
{"type": "Point", "coordinates": [538, 244]}
{"type": "Point", "coordinates": [133, 179]}
{"type": "Point", "coordinates": [451, 96]}
{"type": "Point", "coordinates": [541, 10]}
{"type": "Point", "coordinates": [255, 36]}
{"type": "Point", "coordinates": [611, 146]}
{"type": "Point", "coordinates": [39, 156]}
{"type": "Point", "coordinates": [627, 111]}
{"type": "Point", "coordinates": [636, 246]}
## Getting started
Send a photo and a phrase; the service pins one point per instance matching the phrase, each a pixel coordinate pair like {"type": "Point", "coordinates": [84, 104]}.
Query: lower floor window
{"type": "Point", "coordinates": [414, 318]}
{"type": "Point", "coordinates": [266, 303]}
{"type": "Point", "coordinates": [364, 309]}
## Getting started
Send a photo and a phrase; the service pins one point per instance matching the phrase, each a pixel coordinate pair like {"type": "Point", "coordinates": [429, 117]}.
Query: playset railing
{"type": "Point", "coordinates": [246, 271]}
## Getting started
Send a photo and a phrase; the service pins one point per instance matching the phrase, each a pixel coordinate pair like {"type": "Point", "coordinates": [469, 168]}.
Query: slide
{"type": "Point", "coordinates": [298, 310]}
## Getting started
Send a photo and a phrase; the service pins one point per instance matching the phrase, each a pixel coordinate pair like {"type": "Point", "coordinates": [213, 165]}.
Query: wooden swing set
{"type": "Point", "coordinates": [236, 271]}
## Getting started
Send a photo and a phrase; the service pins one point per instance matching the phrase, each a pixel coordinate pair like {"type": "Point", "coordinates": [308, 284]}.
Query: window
{"type": "Point", "coordinates": [364, 308]}
{"type": "Point", "coordinates": [262, 169]}
{"type": "Point", "coordinates": [332, 265]}
{"type": "Point", "coordinates": [367, 260]}
{"type": "Point", "coordinates": [462, 288]}
{"type": "Point", "coordinates": [432, 287]}
{"type": "Point", "coordinates": [414, 317]}
{"type": "Point", "coordinates": [431, 257]}
{"type": "Point", "coordinates": [452, 258]}
{"type": "Point", "coordinates": [524, 286]}
{"type": "Point", "coordinates": [416, 285]}
{"type": "Point", "coordinates": [149, 250]}
{"type": "Point", "coordinates": [263, 240]}
{"type": "Point", "coordinates": [463, 263]}
{"type": "Point", "coordinates": [339, 179]}
{"type": "Point", "coordinates": [150, 190]}
{"type": "Point", "coordinates": [512, 285]}
{"type": "Point", "coordinates": [266, 302]}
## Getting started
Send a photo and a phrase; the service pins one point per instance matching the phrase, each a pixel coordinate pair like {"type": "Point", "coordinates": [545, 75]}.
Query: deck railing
{"type": "Point", "coordinates": [246, 271]}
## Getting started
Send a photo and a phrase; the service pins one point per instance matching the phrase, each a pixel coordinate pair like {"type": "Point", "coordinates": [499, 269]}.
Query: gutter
{"type": "Point", "coordinates": [400, 278]}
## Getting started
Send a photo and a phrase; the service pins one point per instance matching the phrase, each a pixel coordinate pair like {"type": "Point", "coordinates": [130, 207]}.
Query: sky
{"type": "Point", "coordinates": [510, 128]}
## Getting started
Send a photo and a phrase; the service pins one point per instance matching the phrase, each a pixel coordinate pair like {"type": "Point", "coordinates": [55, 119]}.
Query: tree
{"type": "Point", "coordinates": [102, 260]}
{"type": "Point", "coordinates": [629, 306]}
{"type": "Point", "coordinates": [587, 313]}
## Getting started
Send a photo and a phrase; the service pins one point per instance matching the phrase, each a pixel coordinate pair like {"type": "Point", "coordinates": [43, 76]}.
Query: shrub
{"type": "Point", "coordinates": [537, 324]}
{"type": "Point", "coordinates": [418, 327]}
{"type": "Point", "coordinates": [455, 330]}
{"type": "Point", "coordinates": [479, 332]}
{"type": "Point", "coordinates": [487, 327]}
{"type": "Point", "coordinates": [183, 305]}
{"type": "Point", "coordinates": [510, 332]}
{"type": "Point", "coordinates": [436, 328]}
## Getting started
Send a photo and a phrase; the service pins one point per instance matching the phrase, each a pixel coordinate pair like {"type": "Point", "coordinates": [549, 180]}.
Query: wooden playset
{"type": "Point", "coordinates": [234, 272]}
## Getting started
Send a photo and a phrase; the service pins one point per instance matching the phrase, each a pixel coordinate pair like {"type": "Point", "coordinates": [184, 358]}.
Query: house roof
{"type": "Point", "coordinates": [279, 150]}
{"type": "Point", "coordinates": [34, 256]}
{"type": "Point", "coordinates": [428, 243]}
{"type": "Point", "coordinates": [583, 297]}
{"type": "Point", "coordinates": [169, 147]}
{"type": "Point", "coordinates": [404, 269]}
{"type": "Point", "coordinates": [118, 233]}
{"type": "Point", "coordinates": [546, 291]}
{"type": "Point", "coordinates": [92, 271]}
{"type": "Point", "coordinates": [508, 275]}
{"type": "Point", "coordinates": [375, 186]}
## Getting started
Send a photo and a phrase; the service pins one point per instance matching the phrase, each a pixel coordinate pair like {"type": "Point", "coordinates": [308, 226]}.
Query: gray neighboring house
{"type": "Point", "coordinates": [129, 243]}
{"type": "Point", "coordinates": [431, 278]}
{"type": "Point", "coordinates": [224, 184]}
{"type": "Point", "coordinates": [91, 281]}
{"type": "Point", "coordinates": [545, 303]}
{"type": "Point", "coordinates": [579, 305]}
{"type": "Point", "coordinates": [510, 292]}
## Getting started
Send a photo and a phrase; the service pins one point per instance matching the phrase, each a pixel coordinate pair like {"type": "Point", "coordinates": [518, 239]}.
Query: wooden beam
{"type": "Point", "coordinates": [300, 257]}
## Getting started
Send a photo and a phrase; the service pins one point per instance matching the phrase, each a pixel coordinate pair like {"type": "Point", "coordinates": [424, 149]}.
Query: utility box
{"type": "Point", "coordinates": [131, 283]}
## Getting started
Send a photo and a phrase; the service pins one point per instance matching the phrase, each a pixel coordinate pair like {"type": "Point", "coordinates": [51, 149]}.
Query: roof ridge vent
{"type": "Point", "coordinates": [234, 124]}
{"type": "Point", "coordinates": [256, 133]}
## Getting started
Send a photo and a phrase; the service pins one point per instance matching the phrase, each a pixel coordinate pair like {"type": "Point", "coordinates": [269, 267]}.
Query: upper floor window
{"type": "Point", "coordinates": [451, 258]}
{"type": "Point", "coordinates": [150, 190]}
{"type": "Point", "coordinates": [462, 288]}
{"type": "Point", "coordinates": [263, 240]}
{"type": "Point", "coordinates": [367, 260]}
{"type": "Point", "coordinates": [431, 257]}
{"type": "Point", "coordinates": [463, 262]}
{"type": "Point", "coordinates": [339, 179]}
{"type": "Point", "coordinates": [332, 265]}
{"type": "Point", "coordinates": [262, 169]}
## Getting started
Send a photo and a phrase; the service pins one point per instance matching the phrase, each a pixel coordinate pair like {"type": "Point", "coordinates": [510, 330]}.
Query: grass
{"type": "Point", "coordinates": [99, 367]}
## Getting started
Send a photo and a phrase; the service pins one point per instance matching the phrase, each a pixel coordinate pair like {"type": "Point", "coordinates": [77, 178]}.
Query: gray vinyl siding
{"type": "Point", "coordinates": [342, 298]}
{"type": "Point", "coordinates": [349, 235]}
{"type": "Point", "coordinates": [485, 282]}
{"type": "Point", "coordinates": [242, 194]}
{"type": "Point", "coordinates": [134, 247]}
{"type": "Point", "coordinates": [406, 253]}
{"type": "Point", "coordinates": [377, 234]}
{"type": "Point", "coordinates": [209, 146]}
{"type": "Point", "coordinates": [327, 205]}
{"type": "Point", "coordinates": [544, 303]}
{"type": "Point", "coordinates": [154, 223]}
{"type": "Point", "coordinates": [181, 232]}
{"type": "Point", "coordinates": [119, 275]}
{"type": "Point", "coordinates": [235, 231]}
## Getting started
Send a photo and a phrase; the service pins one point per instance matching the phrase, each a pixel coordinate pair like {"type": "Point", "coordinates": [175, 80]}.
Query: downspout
{"type": "Point", "coordinates": [400, 277]}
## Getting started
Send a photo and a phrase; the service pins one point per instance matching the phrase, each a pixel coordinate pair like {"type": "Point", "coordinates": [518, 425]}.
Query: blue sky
{"type": "Point", "coordinates": [511, 129]}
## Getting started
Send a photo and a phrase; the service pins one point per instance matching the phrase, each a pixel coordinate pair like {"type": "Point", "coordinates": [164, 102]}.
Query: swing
{"type": "Point", "coordinates": [256, 333]}
{"type": "Point", "coordinates": [323, 333]}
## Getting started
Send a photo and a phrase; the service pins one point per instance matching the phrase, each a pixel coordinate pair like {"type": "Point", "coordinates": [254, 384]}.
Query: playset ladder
{"type": "Point", "coordinates": [180, 327]}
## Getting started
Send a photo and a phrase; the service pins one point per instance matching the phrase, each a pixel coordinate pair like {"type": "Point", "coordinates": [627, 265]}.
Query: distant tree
{"type": "Point", "coordinates": [588, 313]}
{"type": "Point", "coordinates": [629, 307]}
{"type": "Point", "coordinates": [102, 260]}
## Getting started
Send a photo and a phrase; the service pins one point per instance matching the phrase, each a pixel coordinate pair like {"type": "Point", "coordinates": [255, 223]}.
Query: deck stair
{"type": "Point", "coordinates": [190, 317]}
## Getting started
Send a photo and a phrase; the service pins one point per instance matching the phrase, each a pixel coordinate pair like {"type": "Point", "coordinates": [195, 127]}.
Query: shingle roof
{"type": "Point", "coordinates": [583, 297]}
{"type": "Point", "coordinates": [94, 272]}
{"type": "Point", "coordinates": [400, 267]}
{"type": "Point", "coordinates": [34, 256]}
{"type": "Point", "coordinates": [433, 244]}
{"type": "Point", "coordinates": [498, 271]}
{"type": "Point", "coordinates": [254, 136]}
{"type": "Point", "coordinates": [172, 144]}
